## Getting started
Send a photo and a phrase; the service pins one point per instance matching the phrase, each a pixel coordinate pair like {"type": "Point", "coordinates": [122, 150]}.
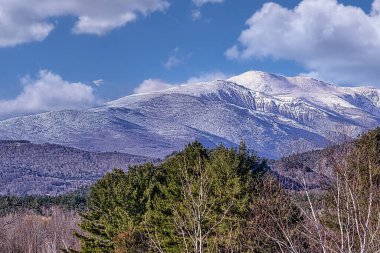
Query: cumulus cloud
{"type": "Point", "coordinates": [336, 42]}
{"type": "Point", "coordinates": [202, 2]}
{"type": "Point", "coordinates": [25, 21]}
{"type": "Point", "coordinates": [151, 85]}
{"type": "Point", "coordinates": [48, 92]}
{"type": "Point", "coordinates": [375, 8]}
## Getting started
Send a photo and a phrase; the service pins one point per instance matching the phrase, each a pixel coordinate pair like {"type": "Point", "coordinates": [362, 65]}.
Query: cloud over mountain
{"type": "Point", "coordinates": [336, 42]}
{"type": "Point", "coordinates": [150, 85]}
{"type": "Point", "coordinates": [48, 92]}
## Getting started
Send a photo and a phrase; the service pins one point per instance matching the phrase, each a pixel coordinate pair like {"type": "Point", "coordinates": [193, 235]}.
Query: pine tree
{"type": "Point", "coordinates": [116, 205]}
{"type": "Point", "coordinates": [194, 201]}
{"type": "Point", "coordinates": [206, 196]}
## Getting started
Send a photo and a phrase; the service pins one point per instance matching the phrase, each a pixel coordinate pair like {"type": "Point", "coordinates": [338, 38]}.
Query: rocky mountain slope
{"type": "Point", "coordinates": [275, 115]}
{"type": "Point", "coordinates": [46, 169]}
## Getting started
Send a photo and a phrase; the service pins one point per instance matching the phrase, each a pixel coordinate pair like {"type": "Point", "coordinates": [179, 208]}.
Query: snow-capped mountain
{"type": "Point", "coordinates": [274, 114]}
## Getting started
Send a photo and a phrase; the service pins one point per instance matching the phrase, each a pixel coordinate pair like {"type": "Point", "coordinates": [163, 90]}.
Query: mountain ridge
{"type": "Point", "coordinates": [271, 113]}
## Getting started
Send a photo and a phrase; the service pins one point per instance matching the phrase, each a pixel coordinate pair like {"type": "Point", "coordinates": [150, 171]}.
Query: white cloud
{"type": "Point", "coordinates": [314, 75]}
{"type": "Point", "coordinates": [336, 42]}
{"type": "Point", "coordinates": [202, 2]}
{"type": "Point", "coordinates": [151, 85]}
{"type": "Point", "coordinates": [196, 15]}
{"type": "Point", "coordinates": [233, 52]}
{"type": "Point", "coordinates": [29, 20]}
{"type": "Point", "coordinates": [375, 7]}
{"type": "Point", "coordinates": [98, 82]}
{"type": "Point", "coordinates": [206, 77]}
{"type": "Point", "coordinates": [48, 92]}
{"type": "Point", "coordinates": [175, 59]}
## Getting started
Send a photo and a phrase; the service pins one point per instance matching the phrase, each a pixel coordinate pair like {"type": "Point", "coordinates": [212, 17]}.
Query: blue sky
{"type": "Point", "coordinates": [171, 42]}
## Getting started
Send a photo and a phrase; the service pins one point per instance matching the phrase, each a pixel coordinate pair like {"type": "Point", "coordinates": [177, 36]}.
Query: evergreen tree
{"type": "Point", "coordinates": [206, 195]}
{"type": "Point", "coordinates": [194, 201]}
{"type": "Point", "coordinates": [116, 205]}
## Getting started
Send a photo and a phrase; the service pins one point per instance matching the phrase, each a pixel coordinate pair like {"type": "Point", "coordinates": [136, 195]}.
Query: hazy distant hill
{"type": "Point", "coordinates": [273, 114]}
{"type": "Point", "coordinates": [27, 168]}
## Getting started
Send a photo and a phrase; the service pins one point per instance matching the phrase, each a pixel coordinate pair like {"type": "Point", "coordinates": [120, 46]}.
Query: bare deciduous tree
{"type": "Point", "coordinates": [348, 219]}
{"type": "Point", "coordinates": [28, 232]}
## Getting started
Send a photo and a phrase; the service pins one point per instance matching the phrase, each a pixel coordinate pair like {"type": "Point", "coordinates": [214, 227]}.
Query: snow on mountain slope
{"type": "Point", "coordinates": [341, 100]}
{"type": "Point", "coordinates": [273, 114]}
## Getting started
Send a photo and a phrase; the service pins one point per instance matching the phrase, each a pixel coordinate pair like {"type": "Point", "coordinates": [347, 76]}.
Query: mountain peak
{"type": "Point", "coordinates": [263, 82]}
{"type": "Point", "coordinates": [278, 84]}
{"type": "Point", "coordinates": [268, 111]}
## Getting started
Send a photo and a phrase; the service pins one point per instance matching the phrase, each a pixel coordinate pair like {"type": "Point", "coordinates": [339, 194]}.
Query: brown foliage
{"type": "Point", "coordinates": [33, 233]}
{"type": "Point", "coordinates": [273, 220]}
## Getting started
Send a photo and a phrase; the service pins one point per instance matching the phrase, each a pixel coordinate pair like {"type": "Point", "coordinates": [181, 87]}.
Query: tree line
{"type": "Point", "coordinates": [198, 200]}
{"type": "Point", "coordinates": [226, 200]}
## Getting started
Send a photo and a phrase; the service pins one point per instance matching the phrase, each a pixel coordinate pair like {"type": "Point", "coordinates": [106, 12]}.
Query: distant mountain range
{"type": "Point", "coordinates": [273, 114]}
{"type": "Point", "coordinates": [46, 169]}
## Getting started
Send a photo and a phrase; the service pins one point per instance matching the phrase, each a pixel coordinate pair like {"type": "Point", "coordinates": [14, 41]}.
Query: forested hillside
{"type": "Point", "coordinates": [46, 169]}
{"type": "Point", "coordinates": [212, 200]}
{"type": "Point", "coordinates": [224, 200]}
{"type": "Point", "coordinates": [312, 169]}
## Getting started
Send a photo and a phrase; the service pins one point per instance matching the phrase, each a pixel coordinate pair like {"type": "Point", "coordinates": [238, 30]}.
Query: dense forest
{"type": "Point", "coordinates": [212, 200]}
{"type": "Point", "coordinates": [47, 169]}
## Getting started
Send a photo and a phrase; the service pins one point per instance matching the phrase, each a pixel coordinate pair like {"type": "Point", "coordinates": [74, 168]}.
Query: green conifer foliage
{"type": "Point", "coordinates": [116, 206]}
{"type": "Point", "coordinates": [194, 201]}
{"type": "Point", "coordinates": [205, 196]}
